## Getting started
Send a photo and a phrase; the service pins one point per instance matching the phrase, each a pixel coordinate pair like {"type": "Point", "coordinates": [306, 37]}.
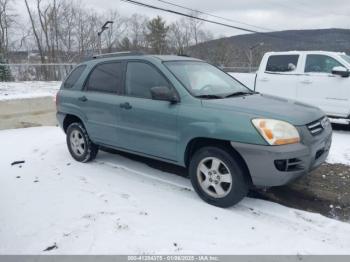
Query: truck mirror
{"type": "Point", "coordinates": [341, 71]}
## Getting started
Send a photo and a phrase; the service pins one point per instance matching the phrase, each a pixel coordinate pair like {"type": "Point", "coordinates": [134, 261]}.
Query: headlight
{"type": "Point", "coordinates": [277, 132]}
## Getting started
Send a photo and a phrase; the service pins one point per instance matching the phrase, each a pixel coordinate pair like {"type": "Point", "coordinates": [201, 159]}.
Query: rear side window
{"type": "Point", "coordinates": [282, 63]}
{"type": "Point", "coordinates": [140, 78]}
{"type": "Point", "coordinates": [106, 78]}
{"type": "Point", "coordinates": [320, 64]}
{"type": "Point", "coordinates": [74, 76]}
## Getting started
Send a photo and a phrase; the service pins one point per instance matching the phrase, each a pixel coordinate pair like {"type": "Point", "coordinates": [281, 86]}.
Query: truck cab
{"type": "Point", "coordinates": [314, 77]}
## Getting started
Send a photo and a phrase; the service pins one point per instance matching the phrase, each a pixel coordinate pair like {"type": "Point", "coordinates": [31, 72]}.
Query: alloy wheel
{"type": "Point", "coordinates": [214, 177]}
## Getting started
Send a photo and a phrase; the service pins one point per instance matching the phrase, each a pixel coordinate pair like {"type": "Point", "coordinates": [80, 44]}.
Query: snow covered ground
{"type": "Point", "coordinates": [340, 150]}
{"type": "Point", "coordinates": [115, 205]}
{"type": "Point", "coordinates": [28, 89]}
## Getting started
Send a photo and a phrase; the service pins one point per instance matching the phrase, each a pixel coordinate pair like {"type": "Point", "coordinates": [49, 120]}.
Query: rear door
{"type": "Point", "coordinates": [280, 76]}
{"type": "Point", "coordinates": [100, 103]}
{"type": "Point", "coordinates": [321, 88]}
{"type": "Point", "coordinates": [147, 126]}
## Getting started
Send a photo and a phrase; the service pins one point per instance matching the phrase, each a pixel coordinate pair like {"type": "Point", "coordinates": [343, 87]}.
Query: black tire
{"type": "Point", "coordinates": [90, 149]}
{"type": "Point", "coordinates": [239, 183]}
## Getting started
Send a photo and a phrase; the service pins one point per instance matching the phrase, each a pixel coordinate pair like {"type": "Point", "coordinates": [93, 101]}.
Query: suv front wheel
{"type": "Point", "coordinates": [79, 144]}
{"type": "Point", "coordinates": [218, 177]}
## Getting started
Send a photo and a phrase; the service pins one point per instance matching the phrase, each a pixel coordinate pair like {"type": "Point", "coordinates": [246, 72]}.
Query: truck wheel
{"type": "Point", "coordinates": [217, 177]}
{"type": "Point", "coordinates": [79, 144]}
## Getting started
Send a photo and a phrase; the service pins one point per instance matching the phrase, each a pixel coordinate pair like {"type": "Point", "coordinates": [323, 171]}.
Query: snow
{"type": "Point", "coordinates": [28, 89]}
{"type": "Point", "coordinates": [340, 149]}
{"type": "Point", "coordinates": [116, 205]}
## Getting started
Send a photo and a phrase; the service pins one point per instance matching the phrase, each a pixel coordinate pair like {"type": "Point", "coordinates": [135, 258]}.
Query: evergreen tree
{"type": "Point", "coordinates": [5, 73]}
{"type": "Point", "coordinates": [157, 35]}
{"type": "Point", "coordinates": [125, 44]}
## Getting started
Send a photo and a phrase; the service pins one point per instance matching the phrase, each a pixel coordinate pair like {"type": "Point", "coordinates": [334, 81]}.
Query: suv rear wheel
{"type": "Point", "coordinates": [79, 144]}
{"type": "Point", "coordinates": [218, 177]}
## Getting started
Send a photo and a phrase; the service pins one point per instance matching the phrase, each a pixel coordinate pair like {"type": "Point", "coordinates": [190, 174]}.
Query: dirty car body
{"type": "Point", "coordinates": [193, 115]}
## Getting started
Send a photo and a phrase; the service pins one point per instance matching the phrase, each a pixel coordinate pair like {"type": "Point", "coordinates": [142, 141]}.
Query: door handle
{"type": "Point", "coordinates": [307, 82]}
{"type": "Point", "coordinates": [265, 79]}
{"type": "Point", "coordinates": [125, 105]}
{"type": "Point", "coordinates": [83, 98]}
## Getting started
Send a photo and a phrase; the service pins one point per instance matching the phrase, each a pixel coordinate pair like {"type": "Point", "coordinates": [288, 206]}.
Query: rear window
{"type": "Point", "coordinates": [106, 78]}
{"type": "Point", "coordinates": [282, 63]}
{"type": "Point", "coordinates": [74, 76]}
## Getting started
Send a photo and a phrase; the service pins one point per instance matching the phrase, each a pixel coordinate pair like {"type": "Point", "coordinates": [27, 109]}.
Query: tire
{"type": "Point", "coordinates": [224, 191]}
{"type": "Point", "coordinates": [81, 148]}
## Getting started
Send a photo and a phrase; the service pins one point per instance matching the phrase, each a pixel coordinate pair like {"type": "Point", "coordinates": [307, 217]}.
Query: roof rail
{"type": "Point", "coordinates": [185, 55]}
{"type": "Point", "coordinates": [117, 54]}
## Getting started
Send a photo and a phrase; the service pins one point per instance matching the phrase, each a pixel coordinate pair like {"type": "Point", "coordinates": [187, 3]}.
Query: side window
{"type": "Point", "coordinates": [320, 64]}
{"type": "Point", "coordinates": [282, 63]}
{"type": "Point", "coordinates": [106, 78]}
{"type": "Point", "coordinates": [140, 78]}
{"type": "Point", "coordinates": [74, 76]}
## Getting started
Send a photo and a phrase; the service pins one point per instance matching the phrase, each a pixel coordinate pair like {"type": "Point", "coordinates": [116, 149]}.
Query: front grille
{"type": "Point", "coordinates": [318, 126]}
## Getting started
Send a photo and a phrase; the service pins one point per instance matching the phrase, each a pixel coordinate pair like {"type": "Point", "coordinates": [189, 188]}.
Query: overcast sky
{"type": "Point", "coordinates": [272, 14]}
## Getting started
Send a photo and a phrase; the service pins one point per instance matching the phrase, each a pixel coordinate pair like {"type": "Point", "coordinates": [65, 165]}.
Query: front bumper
{"type": "Point", "coordinates": [300, 158]}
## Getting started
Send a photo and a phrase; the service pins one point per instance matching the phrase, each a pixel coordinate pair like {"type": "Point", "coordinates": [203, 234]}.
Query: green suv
{"type": "Point", "coordinates": [187, 112]}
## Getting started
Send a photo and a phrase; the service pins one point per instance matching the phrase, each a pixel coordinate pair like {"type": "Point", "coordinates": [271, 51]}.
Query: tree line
{"type": "Point", "coordinates": [66, 31]}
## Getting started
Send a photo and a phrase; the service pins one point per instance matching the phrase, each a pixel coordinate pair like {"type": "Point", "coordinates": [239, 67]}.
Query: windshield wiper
{"type": "Point", "coordinates": [210, 96]}
{"type": "Point", "coordinates": [240, 93]}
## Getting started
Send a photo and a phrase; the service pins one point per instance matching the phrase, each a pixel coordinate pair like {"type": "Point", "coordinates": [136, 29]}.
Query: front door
{"type": "Point", "coordinates": [147, 126]}
{"type": "Point", "coordinates": [319, 87]}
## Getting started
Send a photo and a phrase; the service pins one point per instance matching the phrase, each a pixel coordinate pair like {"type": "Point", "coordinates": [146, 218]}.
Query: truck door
{"type": "Point", "coordinates": [280, 76]}
{"type": "Point", "coordinates": [319, 87]}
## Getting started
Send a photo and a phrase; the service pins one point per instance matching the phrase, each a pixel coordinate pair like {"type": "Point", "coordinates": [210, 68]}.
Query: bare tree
{"type": "Point", "coordinates": [137, 31]}
{"type": "Point", "coordinates": [6, 22]}
{"type": "Point", "coordinates": [117, 30]}
{"type": "Point", "coordinates": [180, 36]}
{"type": "Point", "coordinates": [195, 27]}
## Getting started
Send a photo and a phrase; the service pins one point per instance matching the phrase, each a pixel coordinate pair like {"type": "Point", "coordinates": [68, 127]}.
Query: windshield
{"type": "Point", "coordinates": [203, 79]}
{"type": "Point", "coordinates": [346, 58]}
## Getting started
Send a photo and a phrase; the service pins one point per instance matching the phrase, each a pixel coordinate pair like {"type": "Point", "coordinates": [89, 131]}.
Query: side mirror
{"type": "Point", "coordinates": [164, 93]}
{"type": "Point", "coordinates": [340, 71]}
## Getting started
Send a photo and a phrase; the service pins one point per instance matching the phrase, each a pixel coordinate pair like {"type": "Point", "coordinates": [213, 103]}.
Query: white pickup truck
{"type": "Point", "coordinates": [314, 77]}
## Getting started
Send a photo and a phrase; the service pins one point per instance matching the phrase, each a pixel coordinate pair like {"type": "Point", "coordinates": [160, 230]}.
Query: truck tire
{"type": "Point", "coordinates": [80, 146]}
{"type": "Point", "coordinates": [217, 177]}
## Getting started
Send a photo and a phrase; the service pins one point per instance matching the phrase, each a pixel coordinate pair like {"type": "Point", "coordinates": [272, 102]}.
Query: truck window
{"type": "Point", "coordinates": [282, 63]}
{"type": "Point", "coordinates": [106, 78]}
{"type": "Point", "coordinates": [74, 76]}
{"type": "Point", "coordinates": [346, 58]}
{"type": "Point", "coordinates": [320, 64]}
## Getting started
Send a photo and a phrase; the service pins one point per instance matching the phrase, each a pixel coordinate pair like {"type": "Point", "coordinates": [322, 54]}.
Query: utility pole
{"type": "Point", "coordinates": [103, 28]}
{"type": "Point", "coordinates": [251, 54]}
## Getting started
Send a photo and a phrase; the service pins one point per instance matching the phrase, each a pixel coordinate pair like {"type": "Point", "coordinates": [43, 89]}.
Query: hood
{"type": "Point", "coordinates": [267, 106]}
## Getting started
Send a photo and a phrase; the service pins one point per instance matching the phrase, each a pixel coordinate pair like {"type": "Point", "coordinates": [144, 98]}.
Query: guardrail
{"type": "Point", "coordinates": [240, 69]}
{"type": "Point", "coordinates": [58, 71]}
{"type": "Point", "coordinates": [34, 71]}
